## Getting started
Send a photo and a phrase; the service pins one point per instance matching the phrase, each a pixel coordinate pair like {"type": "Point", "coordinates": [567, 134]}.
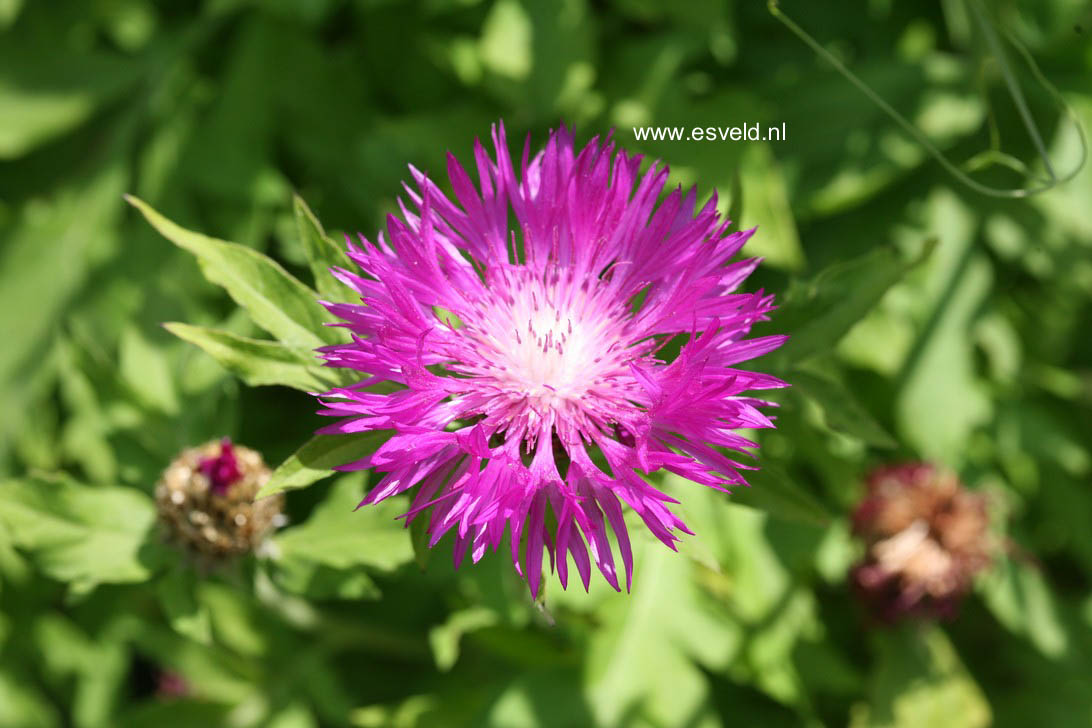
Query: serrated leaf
{"type": "Point", "coordinates": [82, 535]}
{"type": "Point", "coordinates": [275, 300]}
{"type": "Point", "coordinates": [338, 535]}
{"type": "Point", "coordinates": [818, 313]}
{"type": "Point", "coordinates": [322, 252]}
{"type": "Point", "coordinates": [259, 362]}
{"type": "Point", "coordinates": [317, 458]}
{"type": "Point", "coordinates": [842, 410]}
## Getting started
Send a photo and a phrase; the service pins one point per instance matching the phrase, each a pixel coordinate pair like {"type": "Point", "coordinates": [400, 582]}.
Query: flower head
{"type": "Point", "coordinates": [206, 500]}
{"type": "Point", "coordinates": [926, 537]}
{"type": "Point", "coordinates": [524, 329]}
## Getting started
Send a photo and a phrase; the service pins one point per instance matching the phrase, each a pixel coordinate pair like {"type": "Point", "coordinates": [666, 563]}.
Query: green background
{"type": "Point", "coordinates": [975, 352]}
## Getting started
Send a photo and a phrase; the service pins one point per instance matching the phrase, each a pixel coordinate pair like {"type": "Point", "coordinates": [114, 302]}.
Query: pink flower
{"type": "Point", "coordinates": [552, 389]}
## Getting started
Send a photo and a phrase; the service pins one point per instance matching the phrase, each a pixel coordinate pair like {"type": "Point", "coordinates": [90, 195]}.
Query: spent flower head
{"type": "Point", "coordinates": [926, 537]}
{"type": "Point", "coordinates": [205, 500]}
{"type": "Point", "coordinates": [524, 328]}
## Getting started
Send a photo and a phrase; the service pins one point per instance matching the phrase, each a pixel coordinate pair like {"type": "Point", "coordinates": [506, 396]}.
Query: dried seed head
{"type": "Point", "coordinates": [926, 538]}
{"type": "Point", "coordinates": [206, 501]}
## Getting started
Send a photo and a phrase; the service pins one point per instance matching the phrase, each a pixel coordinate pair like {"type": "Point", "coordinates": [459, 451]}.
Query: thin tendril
{"type": "Point", "coordinates": [989, 156]}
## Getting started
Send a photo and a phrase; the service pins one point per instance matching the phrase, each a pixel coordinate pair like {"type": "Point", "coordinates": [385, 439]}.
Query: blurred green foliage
{"type": "Point", "coordinates": [928, 322]}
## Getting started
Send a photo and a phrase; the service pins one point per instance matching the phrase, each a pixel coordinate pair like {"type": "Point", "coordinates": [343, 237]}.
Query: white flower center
{"type": "Point", "coordinates": [546, 341]}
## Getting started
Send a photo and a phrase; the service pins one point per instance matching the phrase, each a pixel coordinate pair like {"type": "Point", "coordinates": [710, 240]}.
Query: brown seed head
{"type": "Point", "coordinates": [926, 538]}
{"type": "Point", "coordinates": [206, 500]}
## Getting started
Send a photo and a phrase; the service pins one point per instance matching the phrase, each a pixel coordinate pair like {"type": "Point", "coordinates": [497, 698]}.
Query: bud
{"type": "Point", "coordinates": [926, 538]}
{"type": "Point", "coordinates": [206, 500]}
{"type": "Point", "coordinates": [171, 685]}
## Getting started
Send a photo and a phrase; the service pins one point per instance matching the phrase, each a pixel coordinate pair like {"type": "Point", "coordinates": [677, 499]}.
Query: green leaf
{"type": "Point", "coordinates": [174, 713]}
{"type": "Point", "coordinates": [919, 680]}
{"type": "Point", "coordinates": [842, 411]}
{"type": "Point", "coordinates": [98, 663]}
{"type": "Point", "coordinates": [940, 374]}
{"type": "Point", "coordinates": [642, 659]}
{"type": "Point", "coordinates": [177, 591]}
{"type": "Point", "coordinates": [1018, 595]}
{"type": "Point", "coordinates": [80, 534]}
{"type": "Point", "coordinates": [506, 40]}
{"type": "Point", "coordinates": [75, 225]}
{"type": "Point", "coordinates": [773, 491]}
{"type": "Point", "coordinates": [322, 252]}
{"type": "Point", "coordinates": [22, 704]}
{"type": "Point", "coordinates": [318, 581]}
{"type": "Point", "coordinates": [237, 620]}
{"type": "Point", "coordinates": [318, 457]}
{"type": "Point", "coordinates": [146, 370]}
{"type": "Point", "coordinates": [9, 11]}
{"type": "Point", "coordinates": [55, 92]}
{"type": "Point", "coordinates": [818, 313]}
{"type": "Point", "coordinates": [339, 536]}
{"type": "Point", "coordinates": [275, 300]}
{"type": "Point", "coordinates": [259, 362]}
{"type": "Point", "coordinates": [419, 538]}
{"type": "Point", "coordinates": [777, 241]}
{"type": "Point", "coordinates": [444, 639]}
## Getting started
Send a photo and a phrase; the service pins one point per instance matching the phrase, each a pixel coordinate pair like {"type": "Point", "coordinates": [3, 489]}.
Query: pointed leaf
{"type": "Point", "coordinates": [275, 300]}
{"type": "Point", "coordinates": [842, 410]}
{"type": "Point", "coordinates": [259, 362]}
{"type": "Point", "coordinates": [322, 252]}
{"type": "Point", "coordinates": [818, 313]}
{"type": "Point", "coordinates": [317, 459]}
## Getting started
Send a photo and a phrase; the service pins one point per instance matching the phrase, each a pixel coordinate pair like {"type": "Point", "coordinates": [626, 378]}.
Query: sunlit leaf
{"type": "Point", "coordinates": [276, 301]}
{"type": "Point", "coordinates": [145, 368]}
{"type": "Point", "coordinates": [322, 253]}
{"type": "Point", "coordinates": [82, 535]}
{"type": "Point", "coordinates": [818, 313]}
{"type": "Point", "coordinates": [259, 362]}
{"type": "Point", "coordinates": [920, 680]}
{"type": "Point", "coordinates": [1019, 596]}
{"type": "Point", "coordinates": [318, 457]}
{"type": "Point", "coordinates": [339, 536]}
